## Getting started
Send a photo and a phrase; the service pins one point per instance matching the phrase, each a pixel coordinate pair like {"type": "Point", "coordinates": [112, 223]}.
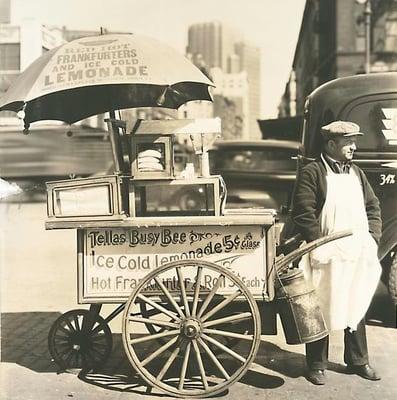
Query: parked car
{"type": "Point", "coordinates": [371, 102]}
{"type": "Point", "coordinates": [257, 173]}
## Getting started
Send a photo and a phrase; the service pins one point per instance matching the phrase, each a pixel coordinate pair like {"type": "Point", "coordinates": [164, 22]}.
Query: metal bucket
{"type": "Point", "coordinates": [297, 304]}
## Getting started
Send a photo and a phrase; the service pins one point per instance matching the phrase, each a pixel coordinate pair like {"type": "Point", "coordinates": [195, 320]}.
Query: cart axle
{"type": "Point", "coordinates": [191, 328]}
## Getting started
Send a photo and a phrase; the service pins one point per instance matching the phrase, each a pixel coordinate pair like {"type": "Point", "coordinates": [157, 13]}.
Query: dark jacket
{"type": "Point", "coordinates": [309, 199]}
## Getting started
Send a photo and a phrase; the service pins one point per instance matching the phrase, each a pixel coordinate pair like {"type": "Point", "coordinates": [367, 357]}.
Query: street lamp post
{"type": "Point", "coordinates": [367, 24]}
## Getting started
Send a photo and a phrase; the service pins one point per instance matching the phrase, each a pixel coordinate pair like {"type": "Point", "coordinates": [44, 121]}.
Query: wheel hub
{"type": "Point", "coordinates": [191, 328]}
{"type": "Point", "coordinates": [79, 342]}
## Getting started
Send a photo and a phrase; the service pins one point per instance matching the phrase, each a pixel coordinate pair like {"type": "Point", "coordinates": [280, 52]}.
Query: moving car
{"type": "Point", "coordinates": [257, 173]}
{"type": "Point", "coordinates": [371, 102]}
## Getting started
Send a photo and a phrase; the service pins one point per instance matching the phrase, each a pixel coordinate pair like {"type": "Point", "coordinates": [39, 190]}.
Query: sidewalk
{"type": "Point", "coordinates": [26, 370]}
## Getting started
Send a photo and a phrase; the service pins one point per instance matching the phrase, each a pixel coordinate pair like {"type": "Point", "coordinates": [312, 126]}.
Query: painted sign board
{"type": "Point", "coordinates": [112, 261]}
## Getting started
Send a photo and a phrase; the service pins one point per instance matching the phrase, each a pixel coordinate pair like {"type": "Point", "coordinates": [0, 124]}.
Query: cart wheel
{"type": "Point", "coordinates": [79, 339]}
{"type": "Point", "coordinates": [149, 312]}
{"type": "Point", "coordinates": [197, 319]}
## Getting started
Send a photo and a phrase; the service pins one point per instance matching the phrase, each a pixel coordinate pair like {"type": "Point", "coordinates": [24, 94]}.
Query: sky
{"type": "Point", "coordinates": [271, 25]}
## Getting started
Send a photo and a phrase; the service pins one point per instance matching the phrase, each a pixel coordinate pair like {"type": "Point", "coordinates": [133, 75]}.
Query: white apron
{"type": "Point", "coordinates": [344, 272]}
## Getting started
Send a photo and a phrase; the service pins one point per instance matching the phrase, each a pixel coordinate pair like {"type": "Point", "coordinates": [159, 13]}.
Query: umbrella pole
{"type": "Point", "coordinates": [114, 141]}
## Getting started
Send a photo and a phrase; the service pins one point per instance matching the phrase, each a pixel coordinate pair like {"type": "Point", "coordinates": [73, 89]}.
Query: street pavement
{"type": "Point", "coordinates": [38, 283]}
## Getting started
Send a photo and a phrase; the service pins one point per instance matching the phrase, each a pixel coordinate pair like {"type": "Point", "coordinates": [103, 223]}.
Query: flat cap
{"type": "Point", "coordinates": [341, 128]}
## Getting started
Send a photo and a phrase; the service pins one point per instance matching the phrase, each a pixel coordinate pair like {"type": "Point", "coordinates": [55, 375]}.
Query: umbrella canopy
{"type": "Point", "coordinates": [96, 74]}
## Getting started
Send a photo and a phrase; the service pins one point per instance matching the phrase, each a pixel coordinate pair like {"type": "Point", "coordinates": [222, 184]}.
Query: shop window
{"type": "Point", "coordinates": [9, 57]}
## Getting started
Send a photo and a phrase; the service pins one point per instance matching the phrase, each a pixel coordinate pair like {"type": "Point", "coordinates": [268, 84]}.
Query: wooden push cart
{"type": "Point", "coordinates": [187, 277]}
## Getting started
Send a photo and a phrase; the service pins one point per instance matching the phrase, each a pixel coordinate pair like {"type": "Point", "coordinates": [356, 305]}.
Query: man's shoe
{"type": "Point", "coordinates": [365, 371]}
{"type": "Point", "coordinates": [316, 376]}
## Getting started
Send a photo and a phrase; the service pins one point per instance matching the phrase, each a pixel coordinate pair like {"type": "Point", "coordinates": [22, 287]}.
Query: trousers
{"type": "Point", "coordinates": [355, 352]}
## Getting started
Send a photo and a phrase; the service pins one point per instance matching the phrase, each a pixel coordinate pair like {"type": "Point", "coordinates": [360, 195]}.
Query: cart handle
{"type": "Point", "coordinates": [283, 246]}
{"type": "Point", "coordinates": [282, 261]}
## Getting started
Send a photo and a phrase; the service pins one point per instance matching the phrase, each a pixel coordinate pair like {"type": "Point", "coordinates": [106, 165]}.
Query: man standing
{"type": "Point", "coordinates": [331, 195]}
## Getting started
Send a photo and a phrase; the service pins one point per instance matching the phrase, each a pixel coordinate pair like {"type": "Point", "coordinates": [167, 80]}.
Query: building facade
{"type": "Point", "coordinates": [220, 47]}
{"type": "Point", "coordinates": [231, 103]}
{"type": "Point", "coordinates": [21, 42]}
{"type": "Point", "coordinates": [58, 150]}
{"type": "Point", "coordinates": [214, 41]}
{"type": "Point", "coordinates": [331, 44]}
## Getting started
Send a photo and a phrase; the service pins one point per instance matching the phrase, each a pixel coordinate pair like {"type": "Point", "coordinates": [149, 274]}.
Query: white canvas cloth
{"type": "Point", "coordinates": [344, 272]}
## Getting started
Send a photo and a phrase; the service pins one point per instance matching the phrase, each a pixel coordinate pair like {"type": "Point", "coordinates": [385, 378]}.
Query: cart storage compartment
{"type": "Point", "coordinates": [87, 198]}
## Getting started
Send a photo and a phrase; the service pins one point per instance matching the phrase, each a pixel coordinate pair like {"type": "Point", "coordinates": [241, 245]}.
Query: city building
{"type": "Point", "coordinates": [215, 41]}
{"type": "Point", "coordinates": [231, 103]}
{"type": "Point", "coordinates": [21, 43]}
{"type": "Point", "coordinates": [78, 150]}
{"type": "Point", "coordinates": [332, 44]}
{"type": "Point", "coordinates": [250, 61]}
{"type": "Point", "coordinates": [217, 46]}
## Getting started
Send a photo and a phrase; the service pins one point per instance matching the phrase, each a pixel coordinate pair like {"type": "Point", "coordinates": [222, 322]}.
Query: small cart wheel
{"type": "Point", "coordinates": [192, 359]}
{"type": "Point", "coordinates": [79, 339]}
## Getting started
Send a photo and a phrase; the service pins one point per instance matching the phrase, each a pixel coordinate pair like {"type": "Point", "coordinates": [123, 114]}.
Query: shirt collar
{"type": "Point", "coordinates": [338, 167]}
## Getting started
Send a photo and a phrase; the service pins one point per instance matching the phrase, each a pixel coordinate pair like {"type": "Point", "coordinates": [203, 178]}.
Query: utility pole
{"type": "Point", "coordinates": [367, 17]}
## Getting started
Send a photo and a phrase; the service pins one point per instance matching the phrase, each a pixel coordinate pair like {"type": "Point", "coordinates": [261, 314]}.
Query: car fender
{"type": "Point", "coordinates": [388, 240]}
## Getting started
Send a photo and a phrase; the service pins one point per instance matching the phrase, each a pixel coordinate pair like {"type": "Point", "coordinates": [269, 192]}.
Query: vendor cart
{"type": "Point", "coordinates": [189, 277]}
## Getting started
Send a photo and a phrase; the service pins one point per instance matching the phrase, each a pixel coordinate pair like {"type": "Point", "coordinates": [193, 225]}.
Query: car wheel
{"type": "Point", "coordinates": [392, 279]}
{"type": "Point", "coordinates": [190, 201]}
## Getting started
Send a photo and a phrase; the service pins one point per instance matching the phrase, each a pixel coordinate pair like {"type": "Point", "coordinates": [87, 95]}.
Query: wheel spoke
{"type": "Point", "coordinates": [68, 358]}
{"type": "Point", "coordinates": [91, 357]}
{"type": "Point", "coordinates": [196, 291]}
{"type": "Point", "coordinates": [168, 363]}
{"type": "Point", "coordinates": [61, 338]}
{"type": "Point", "coordinates": [159, 351]}
{"type": "Point", "coordinates": [158, 307]}
{"type": "Point", "coordinates": [94, 350]}
{"type": "Point", "coordinates": [231, 318]}
{"type": "Point", "coordinates": [153, 337]}
{"type": "Point", "coordinates": [224, 348]}
{"type": "Point", "coordinates": [183, 291]}
{"type": "Point", "coordinates": [69, 324]}
{"type": "Point", "coordinates": [101, 345]}
{"type": "Point", "coordinates": [61, 346]}
{"type": "Point", "coordinates": [63, 352]}
{"type": "Point", "coordinates": [170, 298]}
{"type": "Point", "coordinates": [210, 296]}
{"type": "Point", "coordinates": [96, 330]}
{"type": "Point", "coordinates": [213, 358]}
{"type": "Point", "coordinates": [98, 336]}
{"type": "Point", "coordinates": [200, 364]}
{"type": "Point", "coordinates": [76, 358]}
{"type": "Point", "coordinates": [184, 366]}
{"type": "Point", "coordinates": [228, 334]}
{"type": "Point", "coordinates": [151, 321]}
{"type": "Point", "coordinates": [64, 330]}
{"type": "Point", "coordinates": [221, 305]}
{"type": "Point", "coordinates": [84, 359]}
{"type": "Point", "coordinates": [76, 322]}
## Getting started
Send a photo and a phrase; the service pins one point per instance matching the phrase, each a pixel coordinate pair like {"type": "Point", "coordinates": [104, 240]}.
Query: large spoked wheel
{"type": "Point", "coordinates": [191, 359]}
{"type": "Point", "coordinates": [79, 339]}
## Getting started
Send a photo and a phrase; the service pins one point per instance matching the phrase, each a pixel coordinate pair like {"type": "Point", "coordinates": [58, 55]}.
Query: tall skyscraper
{"type": "Point", "coordinates": [250, 61]}
{"type": "Point", "coordinates": [214, 41]}
{"type": "Point", "coordinates": [222, 46]}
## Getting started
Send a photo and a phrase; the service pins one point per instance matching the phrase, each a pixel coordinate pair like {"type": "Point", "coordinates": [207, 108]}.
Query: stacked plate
{"type": "Point", "coordinates": [150, 160]}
